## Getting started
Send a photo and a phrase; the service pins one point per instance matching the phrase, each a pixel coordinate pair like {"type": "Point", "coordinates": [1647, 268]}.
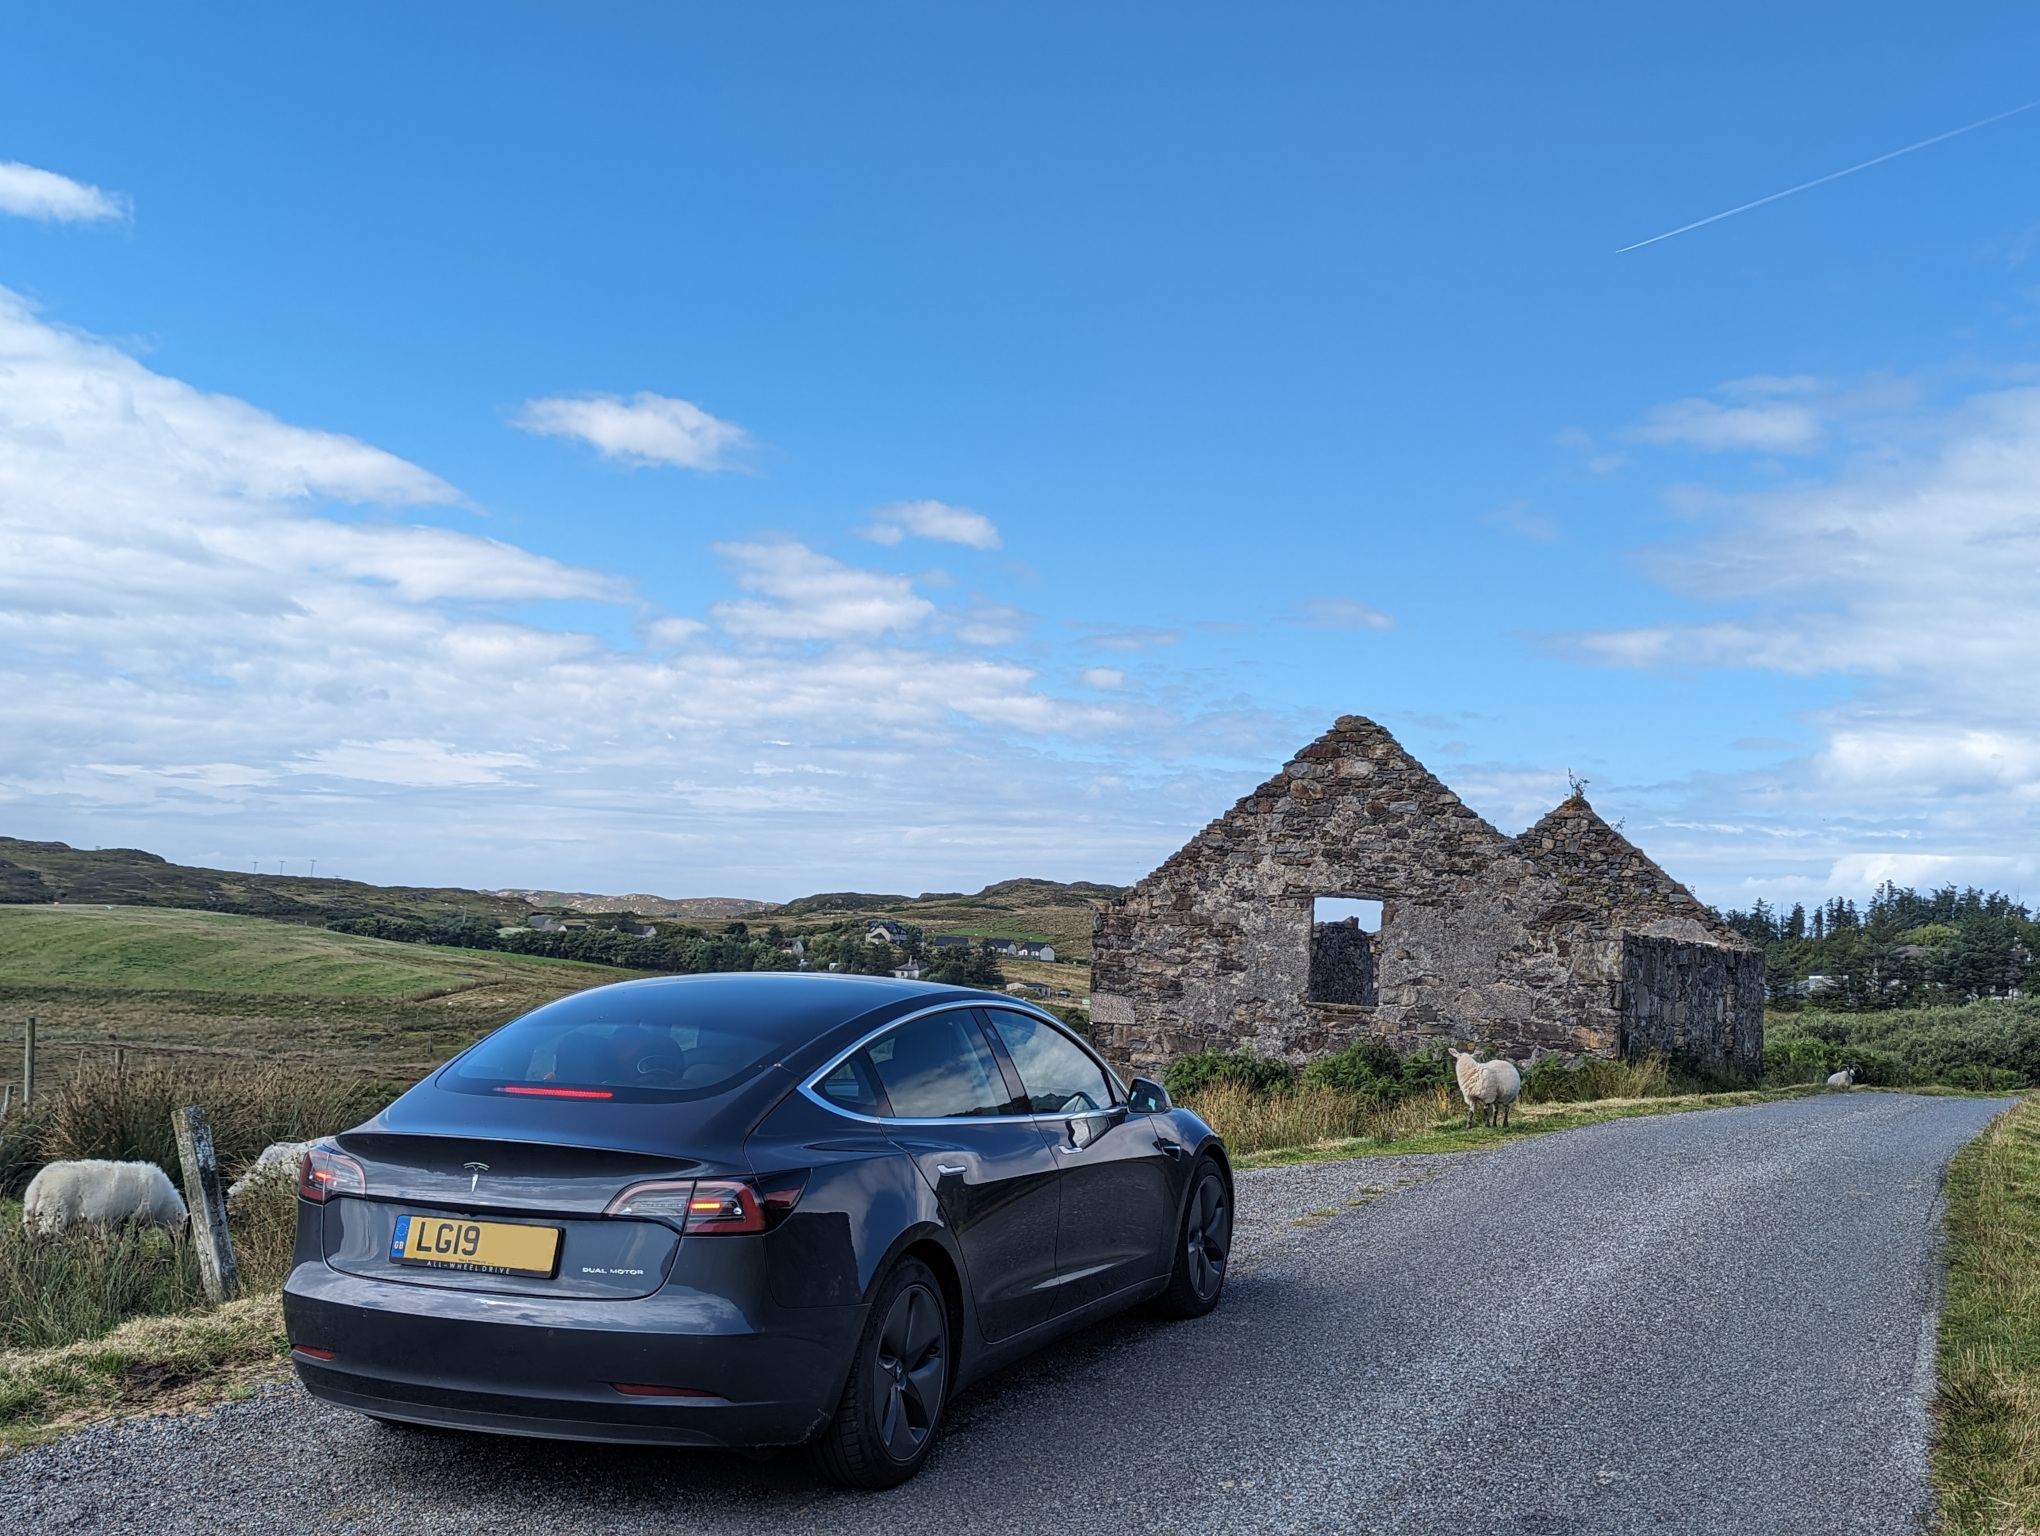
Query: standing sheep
{"type": "Point", "coordinates": [1489, 1087]}
{"type": "Point", "coordinates": [1846, 1078]}
{"type": "Point", "coordinates": [93, 1192]}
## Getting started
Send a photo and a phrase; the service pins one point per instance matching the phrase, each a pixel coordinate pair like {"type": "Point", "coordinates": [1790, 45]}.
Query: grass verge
{"type": "Point", "coordinates": [1418, 1126]}
{"type": "Point", "coordinates": [150, 1365]}
{"type": "Point", "coordinates": [1986, 1454]}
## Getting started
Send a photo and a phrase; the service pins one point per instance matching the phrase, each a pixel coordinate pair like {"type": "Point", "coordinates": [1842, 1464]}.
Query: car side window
{"type": "Point", "coordinates": [939, 1067]}
{"type": "Point", "coordinates": [1060, 1077]}
{"type": "Point", "coordinates": [854, 1085]}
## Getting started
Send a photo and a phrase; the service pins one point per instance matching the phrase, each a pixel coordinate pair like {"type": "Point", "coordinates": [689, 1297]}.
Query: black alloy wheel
{"type": "Point", "coordinates": [898, 1382]}
{"type": "Point", "coordinates": [1205, 1245]}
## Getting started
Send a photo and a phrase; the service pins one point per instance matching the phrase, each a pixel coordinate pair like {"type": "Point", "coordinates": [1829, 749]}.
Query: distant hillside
{"type": "Point", "coordinates": [41, 873]}
{"type": "Point", "coordinates": [33, 873]}
{"type": "Point", "coordinates": [693, 908]}
{"type": "Point", "coordinates": [1015, 909]}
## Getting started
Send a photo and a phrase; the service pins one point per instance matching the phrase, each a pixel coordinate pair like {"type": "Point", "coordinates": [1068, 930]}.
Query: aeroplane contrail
{"type": "Point", "coordinates": [1831, 176]}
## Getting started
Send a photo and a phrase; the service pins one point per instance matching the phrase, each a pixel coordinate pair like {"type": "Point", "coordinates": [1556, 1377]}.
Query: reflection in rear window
{"type": "Point", "coordinates": [621, 1056]}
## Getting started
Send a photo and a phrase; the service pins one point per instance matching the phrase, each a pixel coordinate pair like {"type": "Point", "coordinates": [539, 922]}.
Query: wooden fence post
{"type": "Point", "coordinates": [208, 1203]}
{"type": "Point", "coordinates": [28, 1063]}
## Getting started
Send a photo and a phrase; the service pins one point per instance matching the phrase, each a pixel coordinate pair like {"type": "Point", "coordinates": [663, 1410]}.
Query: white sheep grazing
{"type": "Point", "coordinates": [279, 1160]}
{"type": "Point", "coordinates": [93, 1192]}
{"type": "Point", "coordinates": [1846, 1078]}
{"type": "Point", "coordinates": [1489, 1087]}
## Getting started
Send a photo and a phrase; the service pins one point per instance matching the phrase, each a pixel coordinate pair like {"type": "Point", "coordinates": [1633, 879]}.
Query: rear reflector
{"type": "Point", "coordinates": [633, 1389]}
{"type": "Point", "coordinates": [316, 1354]}
{"type": "Point", "coordinates": [557, 1093]}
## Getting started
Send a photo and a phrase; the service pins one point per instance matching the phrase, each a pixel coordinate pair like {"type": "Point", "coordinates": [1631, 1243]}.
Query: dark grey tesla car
{"type": "Point", "coordinates": [745, 1210]}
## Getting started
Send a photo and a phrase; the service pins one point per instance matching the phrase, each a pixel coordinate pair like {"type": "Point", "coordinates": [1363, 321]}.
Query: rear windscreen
{"type": "Point", "coordinates": [619, 1047]}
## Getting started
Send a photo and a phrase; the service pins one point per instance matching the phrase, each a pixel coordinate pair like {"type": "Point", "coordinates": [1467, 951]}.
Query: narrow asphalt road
{"type": "Point", "coordinates": [1717, 1322]}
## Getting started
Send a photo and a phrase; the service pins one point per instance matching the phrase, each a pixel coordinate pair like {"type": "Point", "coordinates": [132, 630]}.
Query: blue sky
{"type": "Point", "coordinates": [668, 448]}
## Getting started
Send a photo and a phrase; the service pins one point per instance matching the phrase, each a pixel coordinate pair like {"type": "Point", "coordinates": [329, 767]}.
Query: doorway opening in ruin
{"type": "Point", "coordinates": [1344, 950]}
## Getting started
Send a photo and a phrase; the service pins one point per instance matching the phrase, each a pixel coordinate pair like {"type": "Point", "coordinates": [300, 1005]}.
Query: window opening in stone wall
{"type": "Point", "coordinates": [1336, 909]}
{"type": "Point", "coordinates": [1344, 950]}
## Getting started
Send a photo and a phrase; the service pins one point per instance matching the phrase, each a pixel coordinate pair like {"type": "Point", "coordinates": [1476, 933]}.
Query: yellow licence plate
{"type": "Point", "coordinates": [487, 1247]}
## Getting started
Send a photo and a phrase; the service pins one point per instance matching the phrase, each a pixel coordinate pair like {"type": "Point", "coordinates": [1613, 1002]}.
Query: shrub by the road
{"type": "Point", "coordinates": [1992, 1044]}
{"type": "Point", "coordinates": [126, 1115]}
{"type": "Point", "coordinates": [1552, 1081]}
{"type": "Point", "coordinates": [1235, 1069]}
{"type": "Point", "coordinates": [1255, 1120]}
{"type": "Point", "coordinates": [58, 1289]}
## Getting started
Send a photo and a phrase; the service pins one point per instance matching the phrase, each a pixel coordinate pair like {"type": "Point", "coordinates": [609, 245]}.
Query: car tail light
{"type": "Point", "coordinates": [724, 1206]}
{"type": "Point", "coordinates": [312, 1350]}
{"type": "Point", "coordinates": [325, 1173]}
{"type": "Point", "coordinates": [635, 1389]}
{"type": "Point", "coordinates": [556, 1093]}
{"type": "Point", "coordinates": [711, 1206]}
{"type": "Point", "coordinates": [666, 1197]}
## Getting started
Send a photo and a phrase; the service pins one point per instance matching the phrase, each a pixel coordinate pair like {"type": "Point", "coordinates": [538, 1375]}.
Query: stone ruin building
{"type": "Point", "coordinates": [1563, 940]}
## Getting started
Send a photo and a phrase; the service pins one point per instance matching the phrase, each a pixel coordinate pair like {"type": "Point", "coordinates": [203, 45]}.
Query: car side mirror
{"type": "Point", "coordinates": [1087, 1128]}
{"type": "Point", "coordinates": [1145, 1096]}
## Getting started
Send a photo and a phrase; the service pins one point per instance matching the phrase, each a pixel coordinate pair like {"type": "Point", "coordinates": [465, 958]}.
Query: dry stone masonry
{"type": "Point", "coordinates": [1562, 940]}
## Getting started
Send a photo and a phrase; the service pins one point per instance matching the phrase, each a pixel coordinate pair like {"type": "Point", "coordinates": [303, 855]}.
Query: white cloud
{"type": "Point", "coordinates": [931, 520]}
{"type": "Point", "coordinates": [196, 658]}
{"type": "Point", "coordinates": [809, 596]}
{"type": "Point", "coordinates": [1761, 422]}
{"type": "Point", "coordinates": [30, 193]}
{"type": "Point", "coordinates": [1914, 580]}
{"type": "Point", "coordinates": [1340, 613]}
{"type": "Point", "coordinates": [411, 762]}
{"type": "Point", "coordinates": [645, 429]}
{"type": "Point", "coordinates": [1104, 677]}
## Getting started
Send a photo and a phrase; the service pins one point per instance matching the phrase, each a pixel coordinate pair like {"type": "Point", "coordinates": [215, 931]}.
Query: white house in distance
{"type": "Point", "coordinates": [885, 933]}
{"type": "Point", "coordinates": [911, 971]}
{"type": "Point", "coordinates": [1031, 949]}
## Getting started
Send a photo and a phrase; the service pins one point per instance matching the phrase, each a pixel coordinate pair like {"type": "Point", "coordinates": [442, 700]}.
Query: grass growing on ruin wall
{"type": "Point", "coordinates": [1987, 1413]}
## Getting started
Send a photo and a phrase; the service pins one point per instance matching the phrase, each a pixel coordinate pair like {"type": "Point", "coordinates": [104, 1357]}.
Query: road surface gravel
{"type": "Point", "coordinates": [1708, 1322]}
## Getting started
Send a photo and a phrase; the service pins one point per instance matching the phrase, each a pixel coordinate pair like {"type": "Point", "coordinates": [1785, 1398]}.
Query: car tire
{"type": "Point", "coordinates": [899, 1384]}
{"type": "Point", "coordinates": [1203, 1245]}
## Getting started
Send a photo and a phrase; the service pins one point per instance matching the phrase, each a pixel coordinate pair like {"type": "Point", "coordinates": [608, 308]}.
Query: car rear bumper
{"type": "Point", "coordinates": [549, 1367]}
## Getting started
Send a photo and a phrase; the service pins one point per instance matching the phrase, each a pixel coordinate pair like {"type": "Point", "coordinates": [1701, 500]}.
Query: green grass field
{"type": "Point", "coordinates": [162, 949]}
{"type": "Point", "coordinates": [173, 982]}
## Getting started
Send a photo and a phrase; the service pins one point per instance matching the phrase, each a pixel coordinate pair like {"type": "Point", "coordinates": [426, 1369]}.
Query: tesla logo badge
{"type": "Point", "coordinates": [477, 1170]}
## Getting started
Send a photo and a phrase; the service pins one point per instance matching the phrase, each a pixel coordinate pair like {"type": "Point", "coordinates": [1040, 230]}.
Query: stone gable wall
{"type": "Point", "coordinates": [1699, 999]}
{"type": "Point", "coordinates": [1512, 944]}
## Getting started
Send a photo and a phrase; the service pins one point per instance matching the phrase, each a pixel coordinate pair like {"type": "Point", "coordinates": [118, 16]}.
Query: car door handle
{"type": "Point", "coordinates": [944, 1168]}
{"type": "Point", "coordinates": [1169, 1147]}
